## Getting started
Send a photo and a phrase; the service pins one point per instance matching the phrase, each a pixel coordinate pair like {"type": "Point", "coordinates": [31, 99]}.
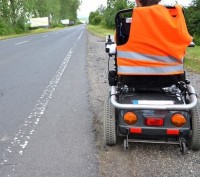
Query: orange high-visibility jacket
{"type": "Point", "coordinates": [157, 42]}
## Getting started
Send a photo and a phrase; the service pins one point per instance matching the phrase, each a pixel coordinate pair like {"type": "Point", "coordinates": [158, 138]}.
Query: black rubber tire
{"type": "Point", "coordinates": [194, 142]}
{"type": "Point", "coordinates": [125, 145]}
{"type": "Point", "coordinates": [109, 123]}
{"type": "Point", "coordinates": [183, 148]}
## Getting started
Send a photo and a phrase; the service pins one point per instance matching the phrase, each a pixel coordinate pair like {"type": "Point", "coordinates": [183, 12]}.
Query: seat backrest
{"type": "Point", "coordinates": [154, 43]}
{"type": "Point", "coordinates": [123, 23]}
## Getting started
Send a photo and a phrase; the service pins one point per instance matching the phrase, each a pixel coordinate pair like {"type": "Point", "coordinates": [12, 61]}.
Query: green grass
{"type": "Point", "coordinates": [99, 31]}
{"type": "Point", "coordinates": [36, 31]}
{"type": "Point", "coordinates": [192, 59]}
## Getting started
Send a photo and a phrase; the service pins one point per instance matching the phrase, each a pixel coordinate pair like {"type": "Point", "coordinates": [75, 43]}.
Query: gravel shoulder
{"type": "Point", "coordinates": [141, 159]}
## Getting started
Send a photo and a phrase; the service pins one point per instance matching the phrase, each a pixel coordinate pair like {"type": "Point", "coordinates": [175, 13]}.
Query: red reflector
{"type": "Point", "coordinates": [136, 130]}
{"type": "Point", "coordinates": [154, 121]}
{"type": "Point", "coordinates": [172, 132]}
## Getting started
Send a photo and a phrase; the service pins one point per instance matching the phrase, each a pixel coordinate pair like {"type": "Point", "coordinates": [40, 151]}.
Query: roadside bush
{"type": "Point", "coordinates": [4, 28]}
{"type": "Point", "coordinates": [103, 23]}
{"type": "Point", "coordinates": [112, 9]}
{"type": "Point", "coordinates": [95, 18]}
{"type": "Point", "coordinates": [20, 27]}
{"type": "Point", "coordinates": [197, 39]}
{"type": "Point", "coordinates": [110, 18]}
{"type": "Point", "coordinates": [192, 14]}
{"type": "Point", "coordinates": [79, 23]}
{"type": "Point", "coordinates": [54, 25]}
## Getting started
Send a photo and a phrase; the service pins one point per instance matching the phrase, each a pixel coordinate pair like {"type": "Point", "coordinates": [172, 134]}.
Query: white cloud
{"type": "Point", "coordinates": [88, 6]}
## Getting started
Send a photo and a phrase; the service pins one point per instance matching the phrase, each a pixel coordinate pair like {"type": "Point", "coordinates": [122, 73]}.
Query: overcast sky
{"type": "Point", "coordinates": [91, 5]}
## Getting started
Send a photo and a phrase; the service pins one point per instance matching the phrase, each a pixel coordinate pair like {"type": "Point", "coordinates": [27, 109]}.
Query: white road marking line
{"type": "Point", "coordinates": [19, 143]}
{"type": "Point", "coordinates": [80, 35]}
{"type": "Point", "coordinates": [4, 138]}
{"type": "Point", "coordinates": [21, 42]}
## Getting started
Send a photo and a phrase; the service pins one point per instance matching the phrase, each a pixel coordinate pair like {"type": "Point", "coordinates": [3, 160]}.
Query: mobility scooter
{"type": "Point", "coordinates": [149, 100]}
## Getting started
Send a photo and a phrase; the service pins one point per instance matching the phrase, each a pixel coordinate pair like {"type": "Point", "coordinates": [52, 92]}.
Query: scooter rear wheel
{"type": "Point", "coordinates": [109, 123]}
{"type": "Point", "coordinates": [194, 142]}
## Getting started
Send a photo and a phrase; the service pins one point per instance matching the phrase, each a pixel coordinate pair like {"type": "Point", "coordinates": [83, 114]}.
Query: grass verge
{"type": "Point", "coordinates": [35, 31]}
{"type": "Point", "coordinates": [192, 59]}
{"type": "Point", "coordinates": [99, 31]}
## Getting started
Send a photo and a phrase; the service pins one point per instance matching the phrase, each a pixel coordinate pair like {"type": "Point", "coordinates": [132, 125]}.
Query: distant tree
{"type": "Point", "coordinates": [14, 14]}
{"type": "Point", "coordinates": [68, 9]}
{"type": "Point", "coordinates": [4, 9]}
{"type": "Point", "coordinates": [106, 15]}
{"type": "Point", "coordinates": [95, 18]}
{"type": "Point", "coordinates": [113, 6]}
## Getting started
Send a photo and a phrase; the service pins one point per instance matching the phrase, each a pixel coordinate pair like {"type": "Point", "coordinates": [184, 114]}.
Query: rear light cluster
{"type": "Point", "coordinates": [178, 120]}
{"type": "Point", "coordinates": [137, 130]}
{"type": "Point", "coordinates": [154, 121]}
{"type": "Point", "coordinates": [173, 131]}
{"type": "Point", "coordinates": [130, 118]}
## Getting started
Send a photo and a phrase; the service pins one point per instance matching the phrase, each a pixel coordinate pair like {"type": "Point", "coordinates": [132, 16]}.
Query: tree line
{"type": "Point", "coordinates": [105, 16]}
{"type": "Point", "coordinates": [15, 14]}
{"type": "Point", "coordinates": [192, 15]}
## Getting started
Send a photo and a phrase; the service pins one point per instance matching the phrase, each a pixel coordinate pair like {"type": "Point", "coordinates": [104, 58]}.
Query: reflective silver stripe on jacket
{"type": "Point", "coordinates": [149, 70]}
{"type": "Point", "coordinates": [145, 57]}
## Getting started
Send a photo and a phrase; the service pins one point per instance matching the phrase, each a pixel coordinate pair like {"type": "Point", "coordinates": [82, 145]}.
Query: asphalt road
{"type": "Point", "coordinates": [45, 122]}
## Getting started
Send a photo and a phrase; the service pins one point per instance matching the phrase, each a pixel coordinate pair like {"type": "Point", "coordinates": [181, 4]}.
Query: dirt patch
{"type": "Point", "coordinates": [142, 160]}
